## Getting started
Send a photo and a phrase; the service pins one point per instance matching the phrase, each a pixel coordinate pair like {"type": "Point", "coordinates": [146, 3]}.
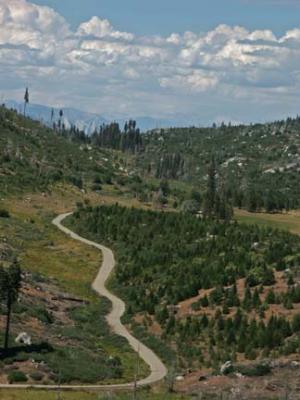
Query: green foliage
{"type": "Point", "coordinates": [254, 370]}
{"type": "Point", "coordinates": [296, 323]}
{"type": "Point", "coordinates": [111, 136]}
{"type": "Point", "coordinates": [76, 364]}
{"type": "Point", "coordinates": [34, 157]}
{"type": "Point", "coordinates": [165, 352]}
{"type": "Point", "coordinates": [36, 376]}
{"type": "Point", "coordinates": [256, 172]}
{"type": "Point", "coordinates": [190, 206]}
{"type": "Point", "coordinates": [17, 377]}
{"type": "Point", "coordinates": [164, 258]}
{"type": "Point", "coordinates": [4, 213]}
{"type": "Point", "coordinates": [42, 314]}
{"type": "Point", "coordinates": [180, 254]}
{"type": "Point", "coordinates": [10, 284]}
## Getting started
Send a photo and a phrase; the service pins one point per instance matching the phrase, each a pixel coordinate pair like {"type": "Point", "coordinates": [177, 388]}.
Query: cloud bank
{"type": "Point", "coordinates": [229, 71]}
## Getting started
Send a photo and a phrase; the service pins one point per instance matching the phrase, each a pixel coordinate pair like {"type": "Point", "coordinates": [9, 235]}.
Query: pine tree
{"type": "Point", "coordinates": [26, 100]}
{"type": "Point", "coordinates": [225, 309]}
{"type": "Point", "coordinates": [271, 298]}
{"type": "Point", "coordinates": [256, 299]}
{"type": "Point", "coordinates": [296, 323]}
{"type": "Point", "coordinates": [247, 301]}
{"type": "Point", "coordinates": [210, 196]}
{"type": "Point", "coordinates": [10, 284]}
{"type": "Point", "coordinates": [204, 321]}
{"type": "Point", "coordinates": [204, 301]}
{"type": "Point", "coordinates": [61, 113]}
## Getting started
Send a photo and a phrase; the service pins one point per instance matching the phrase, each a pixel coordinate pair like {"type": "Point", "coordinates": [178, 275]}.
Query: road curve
{"type": "Point", "coordinates": [157, 368]}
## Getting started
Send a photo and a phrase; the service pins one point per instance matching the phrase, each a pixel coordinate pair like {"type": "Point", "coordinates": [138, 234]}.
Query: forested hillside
{"type": "Point", "coordinates": [258, 164]}
{"type": "Point", "coordinates": [214, 291]}
{"type": "Point", "coordinates": [32, 157]}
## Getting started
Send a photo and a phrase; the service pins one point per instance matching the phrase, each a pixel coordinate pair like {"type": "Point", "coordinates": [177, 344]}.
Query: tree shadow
{"type": "Point", "coordinates": [41, 348]}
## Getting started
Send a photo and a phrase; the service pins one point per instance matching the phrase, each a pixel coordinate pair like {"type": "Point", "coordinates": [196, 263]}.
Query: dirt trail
{"type": "Point", "coordinates": [157, 368]}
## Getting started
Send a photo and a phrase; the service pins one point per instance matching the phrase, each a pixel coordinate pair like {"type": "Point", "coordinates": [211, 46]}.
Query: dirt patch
{"type": "Point", "coordinates": [42, 311]}
{"type": "Point", "coordinates": [149, 322]}
{"type": "Point", "coordinates": [282, 381]}
{"type": "Point", "coordinates": [280, 286]}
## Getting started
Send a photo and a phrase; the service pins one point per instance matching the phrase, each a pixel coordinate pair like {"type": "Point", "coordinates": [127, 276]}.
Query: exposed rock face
{"type": "Point", "coordinates": [226, 368]}
{"type": "Point", "coordinates": [23, 338]}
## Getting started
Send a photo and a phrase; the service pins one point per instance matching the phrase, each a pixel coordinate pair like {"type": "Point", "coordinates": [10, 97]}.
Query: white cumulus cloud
{"type": "Point", "coordinates": [102, 28]}
{"type": "Point", "coordinates": [102, 69]}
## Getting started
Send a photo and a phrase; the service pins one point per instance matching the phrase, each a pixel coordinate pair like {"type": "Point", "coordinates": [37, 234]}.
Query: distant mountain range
{"type": "Point", "coordinates": [85, 121]}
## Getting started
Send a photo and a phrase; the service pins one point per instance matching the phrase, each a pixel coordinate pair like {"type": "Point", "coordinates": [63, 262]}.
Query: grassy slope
{"type": "Point", "coordinates": [71, 263]}
{"type": "Point", "coordinates": [45, 250]}
{"type": "Point", "coordinates": [290, 221]}
{"type": "Point", "coordinates": [33, 157]}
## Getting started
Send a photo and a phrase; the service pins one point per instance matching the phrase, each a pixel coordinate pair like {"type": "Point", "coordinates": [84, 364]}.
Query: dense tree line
{"type": "Point", "coordinates": [106, 136]}
{"type": "Point", "coordinates": [111, 136]}
{"type": "Point", "coordinates": [171, 256]}
{"type": "Point", "coordinates": [217, 203]}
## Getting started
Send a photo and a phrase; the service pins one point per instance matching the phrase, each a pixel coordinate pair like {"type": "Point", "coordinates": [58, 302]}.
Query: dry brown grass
{"type": "Point", "coordinates": [286, 221]}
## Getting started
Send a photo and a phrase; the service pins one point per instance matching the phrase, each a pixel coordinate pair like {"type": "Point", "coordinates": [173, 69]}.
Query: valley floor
{"type": "Point", "coordinates": [288, 221]}
{"type": "Point", "coordinates": [68, 268]}
{"type": "Point", "coordinates": [33, 214]}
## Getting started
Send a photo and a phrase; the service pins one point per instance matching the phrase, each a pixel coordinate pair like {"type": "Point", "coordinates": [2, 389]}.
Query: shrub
{"type": "Point", "coordinates": [296, 323]}
{"type": "Point", "coordinates": [196, 306]}
{"type": "Point", "coordinates": [76, 181]}
{"type": "Point", "coordinates": [96, 187]}
{"type": "Point", "coordinates": [8, 361]}
{"type": "Point", "coordinates": [4, 213]}
{"type": "Point", "coordinates": [21, 357]}
{"type": "Point", "coordinates": [254, 370]}
{"type": "Point", "coordinates": [56, 176]}
{"type": "Point", "coordinates": [36, 376]}
{"type": "Point", "coordinates": [108, 179]}
{"type": "Point", "coordinates": [42, 314]}
{"type": "Point", "coordinates": [16, 376]}
{"type": "Point", "coordinates": [190, 206]}
{"type": "Point", "coordinates": [97, 180]}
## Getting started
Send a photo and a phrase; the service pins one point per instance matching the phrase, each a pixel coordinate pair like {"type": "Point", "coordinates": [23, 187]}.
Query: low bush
{"type": "Point", "coordinates": [21, 357]}
{"type": "Point", "coordinates": [36, 376]}
{"type": "Point", "coordinates": [75, 364]}
{"type": "Point", "coordinates": [4, 213]}
{"type": "Point", "coordinates": [17, 377]}
{"type": "Point", "coordinates": [254, 370]}
{"type": "Point", "coordinates": [43, 315]}
{"type": "Point", "coordinates": [96, 187]}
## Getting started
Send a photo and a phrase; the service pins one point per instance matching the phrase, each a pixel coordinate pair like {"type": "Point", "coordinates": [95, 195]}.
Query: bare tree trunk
{"type": "Point", "coordinates": [7, 328]}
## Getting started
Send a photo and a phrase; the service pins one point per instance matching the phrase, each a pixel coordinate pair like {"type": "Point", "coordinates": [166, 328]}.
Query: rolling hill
{"type": "Point", "coordinates": [258, 165]}
{"type": "Point", "coordinates": [199, 292]}
{"type": "Point", "coordinates": [85, 121]}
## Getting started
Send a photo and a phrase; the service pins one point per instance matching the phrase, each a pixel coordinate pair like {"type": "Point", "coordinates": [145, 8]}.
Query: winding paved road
{"type": "Point", "coordinates": [157, 368]}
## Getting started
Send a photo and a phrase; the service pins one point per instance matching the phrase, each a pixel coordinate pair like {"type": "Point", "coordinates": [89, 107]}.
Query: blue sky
{"type": "Point", "coordinates": [192, 61]}
{"type": "Point", "coordinates": [167, 16]}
